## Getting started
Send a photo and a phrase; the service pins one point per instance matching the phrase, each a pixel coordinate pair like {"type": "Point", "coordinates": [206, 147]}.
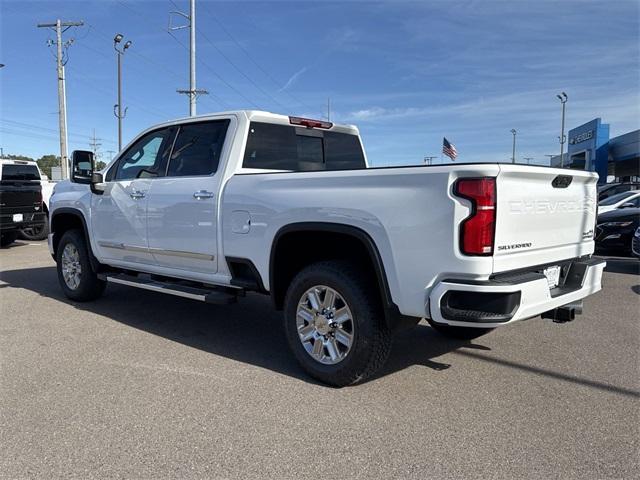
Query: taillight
{"type": "Point", "coordinates": [477, 230]}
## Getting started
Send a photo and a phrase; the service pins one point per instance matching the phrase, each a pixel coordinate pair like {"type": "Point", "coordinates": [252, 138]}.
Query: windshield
{"type": "Point", "coordinates": [613, 199]}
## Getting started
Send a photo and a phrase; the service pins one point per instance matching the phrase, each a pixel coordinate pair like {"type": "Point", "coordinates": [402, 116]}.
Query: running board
{"type": "Point", "coordinates": [214, 296]}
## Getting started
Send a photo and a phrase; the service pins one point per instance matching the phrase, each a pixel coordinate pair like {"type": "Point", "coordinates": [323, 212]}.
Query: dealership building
{"type": "Point", "coordinates": [590, 148]}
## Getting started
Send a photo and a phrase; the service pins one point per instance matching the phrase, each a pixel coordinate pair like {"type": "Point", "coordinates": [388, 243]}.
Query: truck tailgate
{"type": "Point", "coordinates": [17, 195]}
{"type": "Point", "coordinates": [543, 215]}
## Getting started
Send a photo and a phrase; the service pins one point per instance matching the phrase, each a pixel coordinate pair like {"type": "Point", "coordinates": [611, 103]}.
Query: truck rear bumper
{"type": "Point", "coordinates": [508, 298]}
{"type": "Point", "coordinates": [29, 219]}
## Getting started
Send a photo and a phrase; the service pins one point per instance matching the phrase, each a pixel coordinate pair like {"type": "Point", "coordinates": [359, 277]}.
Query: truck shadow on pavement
{"type": "Point", "coordinates": [251, 331]}
{"type": "Point", "coordinates": [624, 265]}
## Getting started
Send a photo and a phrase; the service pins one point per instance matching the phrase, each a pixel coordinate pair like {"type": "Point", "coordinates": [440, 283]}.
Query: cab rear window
{"type": "Point", "coordinates": [20, 172]}
{"type": "Point", "coordinates": [299, 149]}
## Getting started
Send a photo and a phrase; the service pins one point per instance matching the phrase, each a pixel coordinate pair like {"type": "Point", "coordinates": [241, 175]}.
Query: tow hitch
{"type": "Point", "coordinates": [565, 313]}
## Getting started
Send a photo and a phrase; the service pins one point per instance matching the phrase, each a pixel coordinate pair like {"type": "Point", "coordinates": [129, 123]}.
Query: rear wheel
{"type": "Point", "coordinates": [334, 323]}
{"type": "Point", "coordinates": [77, 279]}
{"type": "Point", "coordinates": [460, 333]}
{"type": "Point", "coordinates": [37, 233]}
{"type": "Point", "coordinates": [7, 238]}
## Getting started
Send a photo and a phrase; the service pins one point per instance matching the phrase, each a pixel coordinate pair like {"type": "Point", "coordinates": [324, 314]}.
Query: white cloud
{"type": "Point", "coordinates": [293, 79]}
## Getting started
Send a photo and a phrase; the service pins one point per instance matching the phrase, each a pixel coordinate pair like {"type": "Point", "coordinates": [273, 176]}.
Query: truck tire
{"type": "Point", "coordinates": [7, 238]}
{"type": "Point", "coordinates": [460, 333]}
{"type": "Point", "coordinates": [77, 279]}
{"type": "Point", "coordinates": [335, 324]}
{"type": "Point", "coordinates": [35, 234]}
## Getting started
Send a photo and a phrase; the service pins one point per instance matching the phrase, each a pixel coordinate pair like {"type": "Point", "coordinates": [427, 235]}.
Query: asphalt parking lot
{"type": "Point", "coordinates": [141, 385]}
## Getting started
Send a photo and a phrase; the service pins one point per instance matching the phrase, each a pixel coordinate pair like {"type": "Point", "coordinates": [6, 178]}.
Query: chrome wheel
{"type": "Point", "coordinates": [325, 325]}
{"type": "Point", "coordinates": [71, 268]}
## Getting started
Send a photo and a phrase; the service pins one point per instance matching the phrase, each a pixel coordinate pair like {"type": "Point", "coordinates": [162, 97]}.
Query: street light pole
{"type": "Point", "coordinates": [429, 160]}
{"type": "Point", "coordinates": [117, 108]}
{"type": "Point", "coordinates": [563, 100]}
{"type": "Point", "coordinates": [528, 159]}
{"type": "Point", "coordinates": [513, 155]}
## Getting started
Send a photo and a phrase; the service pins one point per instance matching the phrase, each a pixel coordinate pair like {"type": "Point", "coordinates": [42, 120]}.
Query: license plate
{"type": "Point", "coordinates": [553, 276]}
{"type": "Point", "coordinates": [18, 217]}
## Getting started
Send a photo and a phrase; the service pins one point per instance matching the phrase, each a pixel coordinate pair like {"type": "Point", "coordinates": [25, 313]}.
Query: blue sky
{"type": "Point", "coordinates": [407, 73]}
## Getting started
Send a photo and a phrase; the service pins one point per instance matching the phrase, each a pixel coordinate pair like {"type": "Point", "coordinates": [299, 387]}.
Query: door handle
{"type": "Point", "coordinates": [202, 194]}
{"type": "Point", "coordinates": [136, 194]}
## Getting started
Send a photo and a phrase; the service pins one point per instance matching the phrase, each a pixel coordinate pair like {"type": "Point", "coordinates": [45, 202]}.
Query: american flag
{"type": "Point", "coordinates": [449, 149]}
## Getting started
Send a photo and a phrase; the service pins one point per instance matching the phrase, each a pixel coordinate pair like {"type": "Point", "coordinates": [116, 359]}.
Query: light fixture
{"type": "Point", "coordinates": [118, 38]}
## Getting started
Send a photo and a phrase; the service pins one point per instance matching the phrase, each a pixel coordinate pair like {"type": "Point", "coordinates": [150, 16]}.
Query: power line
{"type": "Point", "coordinates": [148, 60]}
{"type": "Point", "coordinates": [35, 135]}
{"type": "Point", "coordinates": [276, 82]}
{"type": "Point", "coordinates": [154, 112]}
{"type": "Point", "coordinates": [201, 61]}
{"type": "Point", "coordinates": [223, 55]}
{"type": "Point", "coordinates": [16, 124]}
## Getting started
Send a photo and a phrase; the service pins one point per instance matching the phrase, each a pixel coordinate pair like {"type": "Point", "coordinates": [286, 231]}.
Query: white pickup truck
{"type": "Point", "coordinates": [215, 206]}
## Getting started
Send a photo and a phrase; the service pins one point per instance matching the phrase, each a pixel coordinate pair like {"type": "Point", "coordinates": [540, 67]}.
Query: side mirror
{"type": "Point", "coordinates": [627, 205]}
{"type": "Point", "coordinates": [82, 165]}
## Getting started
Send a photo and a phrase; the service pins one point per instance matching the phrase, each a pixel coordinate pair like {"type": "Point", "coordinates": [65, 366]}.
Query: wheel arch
{"type": "Point", "coordinates": [64, 219]}
{"type": "Point", "coordinates": [356, 242]}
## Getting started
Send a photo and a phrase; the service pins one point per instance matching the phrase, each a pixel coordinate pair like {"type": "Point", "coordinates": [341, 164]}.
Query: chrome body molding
{"type": "Point", "coordinates": [157, 251]}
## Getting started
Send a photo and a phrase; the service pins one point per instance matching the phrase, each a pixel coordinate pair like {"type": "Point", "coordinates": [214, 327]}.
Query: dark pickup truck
{"type": "Point", "coordinates": [20, 199]}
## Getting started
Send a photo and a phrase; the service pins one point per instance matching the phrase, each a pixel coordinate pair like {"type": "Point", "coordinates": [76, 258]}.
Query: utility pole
{"type": "Point", "coordinates": [111, 152]}
{"type": "Point", "coordinates": [528, 159]}
{"type": "Point", "coordinates": [429, 160]}
{"type": "Point", "coordinates": [60, 27]}
{"type": "Point", "coordinates": [513, 155]}
{"type": "Point", "coordinates": [193, 92]}
{"type": "Point", "coordinates": [550, 157]}
{"type": "Point", "coordinates": [94, 144]}
{"type": "Point", "coordinates": [328, 109]}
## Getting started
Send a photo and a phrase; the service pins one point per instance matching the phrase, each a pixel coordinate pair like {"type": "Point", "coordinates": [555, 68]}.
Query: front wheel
{"type": "Point", "coordinates": [77, 279]}
{"type": "Point", "coordinates": [334, 323]}
{"type": "Point", "coordinates": [459, 333]}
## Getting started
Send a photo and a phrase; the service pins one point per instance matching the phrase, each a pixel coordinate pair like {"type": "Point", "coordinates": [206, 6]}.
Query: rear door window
{"type": "Point", "coordinates": [280, 147]}
{"type": "Point", "coordinates": [343, 152]}
{"type": "Point", "coordinates": [197, 149]}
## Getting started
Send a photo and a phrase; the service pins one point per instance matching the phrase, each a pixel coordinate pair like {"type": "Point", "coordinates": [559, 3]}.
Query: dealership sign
{"type": "Point", "coordinates": [581, 137]}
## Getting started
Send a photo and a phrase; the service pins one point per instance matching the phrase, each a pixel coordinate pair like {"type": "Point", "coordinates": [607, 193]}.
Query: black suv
{"type": "Point", "coordinates": [20, 199]}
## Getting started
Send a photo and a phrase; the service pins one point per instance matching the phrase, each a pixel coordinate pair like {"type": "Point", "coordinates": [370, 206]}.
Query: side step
{"type": "Point", "coordinates": [145, 282]}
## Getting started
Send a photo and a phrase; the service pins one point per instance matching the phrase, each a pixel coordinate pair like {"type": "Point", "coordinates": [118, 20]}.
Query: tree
{"type": "Point", "coordinates": [46, 162]}
{"type": "Point", "coordinates": [18, 157]}
{"type": "Point", "coordinates": [100, 165]}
